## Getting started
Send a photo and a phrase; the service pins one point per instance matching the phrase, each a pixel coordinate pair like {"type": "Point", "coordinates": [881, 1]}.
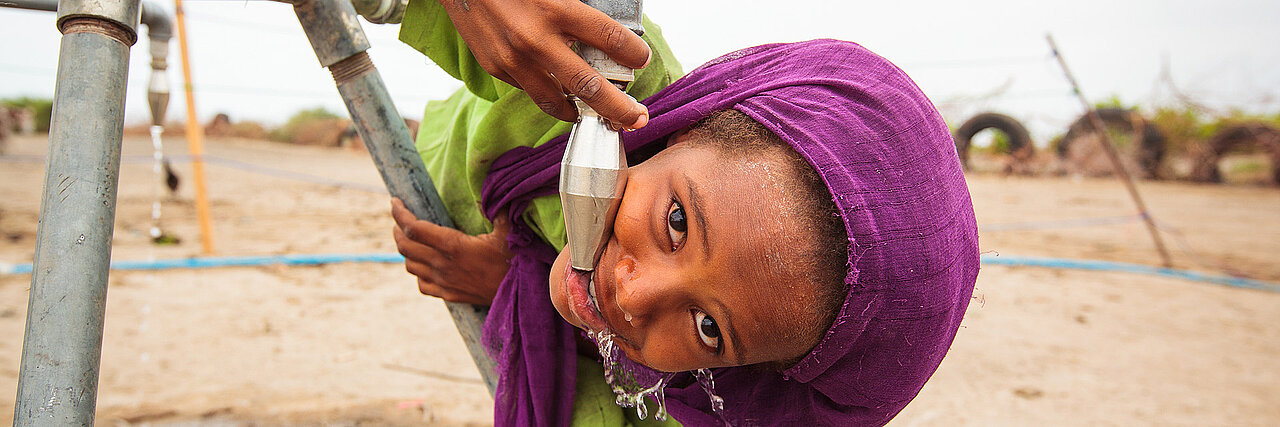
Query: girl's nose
{"type": "Point", "coordinates": [639, 297]}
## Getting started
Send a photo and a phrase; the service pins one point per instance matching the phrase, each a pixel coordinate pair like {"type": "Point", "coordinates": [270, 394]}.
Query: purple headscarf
{"type": "Point", "coordinates": [891, 166]}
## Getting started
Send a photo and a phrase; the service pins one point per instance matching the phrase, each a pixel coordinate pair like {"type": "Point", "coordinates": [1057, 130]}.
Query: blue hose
{"type": "Point", "coordinates": [1006, 260]}
{"type": "Point", "coordinates": [234, 261]}
{"type": "Point", "coordinates": [1093, 265]}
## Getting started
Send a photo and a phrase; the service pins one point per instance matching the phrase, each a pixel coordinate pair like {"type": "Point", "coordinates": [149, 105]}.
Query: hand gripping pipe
{"type": "Point", "coordinates": [62, 345]}
{"type": "Point", "coordinates": [593, 172]}
{"type": "Point", "coordinates": [340, 44]}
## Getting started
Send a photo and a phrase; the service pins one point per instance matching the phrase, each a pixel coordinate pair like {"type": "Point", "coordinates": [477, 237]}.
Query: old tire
{"type": "Point", "coordinates": [1146, 155]}
{"type": "Point", "coordinates": [1019, 138]}
{"type": "Point", "coordinates": [1258, 136]}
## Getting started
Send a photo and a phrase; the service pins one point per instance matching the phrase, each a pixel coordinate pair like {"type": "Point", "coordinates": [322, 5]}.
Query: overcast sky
{"type": "Point", "coordinates": [251, 60]}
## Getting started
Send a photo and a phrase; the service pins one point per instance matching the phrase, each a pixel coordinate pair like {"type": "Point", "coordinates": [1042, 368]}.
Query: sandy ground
{"type": "Point", "coordinates": [354, 344]}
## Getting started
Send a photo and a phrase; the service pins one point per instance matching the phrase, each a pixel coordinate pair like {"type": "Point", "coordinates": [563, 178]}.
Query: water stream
{"type": "Point", "coordinates": [158, 169]}
{"type": "Point", "coordinates": [631, 389]}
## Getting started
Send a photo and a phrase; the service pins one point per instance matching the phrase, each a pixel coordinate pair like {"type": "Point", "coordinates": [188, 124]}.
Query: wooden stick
{"type": "Point", "coordinates": [1107, 147]}
{"type": "Point", "coordinates": [195, 138]}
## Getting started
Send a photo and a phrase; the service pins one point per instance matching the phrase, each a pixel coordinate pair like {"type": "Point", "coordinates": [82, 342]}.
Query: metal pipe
{"type": "Point", "coordinates": [46, 5]}
{"type": "Point", "coordinates": [49, 5]}
{"type": "Point", "coordinates": [381, 11]}
{"type": "Point", "coordinates": [158, 21]}
{"type": "Point", "coordinates": [62, 344]}
{"type": "Point", "coordinates": [340, 45]}
{"type": "Point", "coordinates": [159, 30]}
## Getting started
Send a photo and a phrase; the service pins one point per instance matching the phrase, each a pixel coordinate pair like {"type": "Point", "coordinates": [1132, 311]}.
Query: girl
{"type": "Point", "coordinates": [795, 218]}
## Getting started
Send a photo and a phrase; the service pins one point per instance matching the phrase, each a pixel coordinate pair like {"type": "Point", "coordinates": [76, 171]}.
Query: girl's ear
{"type": "Point", "coordinates": [679, 136]}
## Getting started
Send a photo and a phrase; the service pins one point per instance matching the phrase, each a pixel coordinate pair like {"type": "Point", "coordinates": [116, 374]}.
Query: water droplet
{"type": "Point", "coordinates": [709, 385]}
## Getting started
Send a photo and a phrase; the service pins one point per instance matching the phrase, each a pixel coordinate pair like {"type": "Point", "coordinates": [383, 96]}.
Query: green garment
{"type": "Point", "coordinates": [593, 403]}
{"type": "Point", "coordinates": [461, 136]}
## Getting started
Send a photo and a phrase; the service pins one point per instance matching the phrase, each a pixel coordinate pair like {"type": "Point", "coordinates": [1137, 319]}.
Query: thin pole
{"type": "Point", "coordinates": [195, 139]}
{"type": "Point", "coordinates": [62, 343]}
{"type": "Point", "coordinates": [1109, 148]}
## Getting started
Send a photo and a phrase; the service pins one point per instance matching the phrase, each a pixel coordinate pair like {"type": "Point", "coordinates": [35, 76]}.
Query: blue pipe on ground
{"type": "Point", "coordinates": [394, 258]}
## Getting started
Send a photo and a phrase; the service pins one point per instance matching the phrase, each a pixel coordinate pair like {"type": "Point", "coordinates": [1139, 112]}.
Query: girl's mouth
{"type": "Point", "coordinates": [582, 299]}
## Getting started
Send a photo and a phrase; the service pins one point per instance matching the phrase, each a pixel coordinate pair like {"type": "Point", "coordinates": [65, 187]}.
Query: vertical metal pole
{"type": "Point", "coordinates": [62, 346]}
{"type": "Point", "coordinates": [1110, 149]}
{"type": "Point", "coordinates": [340, 44]}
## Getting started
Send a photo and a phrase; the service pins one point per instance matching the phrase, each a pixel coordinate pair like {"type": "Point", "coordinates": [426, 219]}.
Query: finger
{"type": "Point", "coordinates": [501, 74]}
{"type": "Point", "coordinates": [448, 294]}
{"type": "Point", "coordinates": [547, 94]}
{"type": "Point", "coordinates": [498, 237]}
{"type": "Point", "coordinates": [443, 239]}
{"type": "Point", "coordinates": [400, 213]}
{"type": "Point", "coordinates": [502, 223]}
{"type": "Point", "coordinates": [422, 271]}
{"type": "Point", "coordinates": [580, 79]}
{"type": "Point", "coordinates": [595, 28]}
{"type": "Point", "coordinates": [418, 251]}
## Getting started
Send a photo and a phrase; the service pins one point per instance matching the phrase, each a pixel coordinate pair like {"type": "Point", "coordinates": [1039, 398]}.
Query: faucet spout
{"type": "Point", "coordinates": [593, 175]}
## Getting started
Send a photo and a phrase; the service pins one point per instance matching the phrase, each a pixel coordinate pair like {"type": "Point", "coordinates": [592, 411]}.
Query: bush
{"type": "Point", "coordinates": [249, 130]}
{"type": "Point", "coordinates": [999, 143]}
{"type": "Point", "coordinates": [42, 107]}
{"type": "Point", "coordinates": [300, 120]}
{"type": "Point", "coordinates": [1113, 102]}
{"type": "Point", "coordinates": [1183, 127]}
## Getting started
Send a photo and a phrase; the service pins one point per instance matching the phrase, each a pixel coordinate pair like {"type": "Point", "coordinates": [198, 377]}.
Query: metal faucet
{"type": "Point", "coordinates": [593, 172]}
{"type": "Point", "coordinates": [593, 175]}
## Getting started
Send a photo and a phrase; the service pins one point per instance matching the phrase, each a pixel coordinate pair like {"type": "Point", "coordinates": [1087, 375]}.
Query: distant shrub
{"type": "Point", "coordinates": [300, 120]}
{"type": "Point", "coordinates": [1189, 129]}
{"type": "Point", "coordinates": [1114, 102]}
{"type": "Point", "coordinates": [42, 107]}
{"type": "Point", "coordinates": [1184, 128]}
{"type": "Point", "coordinates": [324, 132]}
{"type": "Point", "coordinates": [249, 130]}
{"type": "Point", "coordinates": [999, 143]}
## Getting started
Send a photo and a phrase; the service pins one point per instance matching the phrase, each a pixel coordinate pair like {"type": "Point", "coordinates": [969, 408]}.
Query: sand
{"type": "Point", "coordinates": [355, 344]}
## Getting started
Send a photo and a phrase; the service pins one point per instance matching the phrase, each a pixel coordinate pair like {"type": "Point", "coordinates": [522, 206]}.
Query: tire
{"type": "Point", "coordinates": [1019, 138]}
{"type": "Point", "coordinates": [1148, 154]}
{"type": "Point", "coordinates": [1261, 137]}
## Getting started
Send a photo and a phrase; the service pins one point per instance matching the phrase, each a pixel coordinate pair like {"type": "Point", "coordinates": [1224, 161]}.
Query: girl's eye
{"type": "Point", "coordinates": [708, 331]}
{"type": "Point", "coordinates": [677, 225]}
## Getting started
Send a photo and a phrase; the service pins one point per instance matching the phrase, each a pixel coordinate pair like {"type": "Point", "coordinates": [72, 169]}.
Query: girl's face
{"type": "Point", "coordinates": [696, 272]}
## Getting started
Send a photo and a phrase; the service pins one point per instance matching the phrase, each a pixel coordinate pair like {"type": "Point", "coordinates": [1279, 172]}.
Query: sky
{"type": "Point", "coordinates": [251, 60]}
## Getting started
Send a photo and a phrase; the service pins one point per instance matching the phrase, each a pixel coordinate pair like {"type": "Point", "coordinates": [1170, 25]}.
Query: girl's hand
{"type": "Point", "coordinates": [526, 44]}
{"type": "Point", "coordinates": [450, 264]}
